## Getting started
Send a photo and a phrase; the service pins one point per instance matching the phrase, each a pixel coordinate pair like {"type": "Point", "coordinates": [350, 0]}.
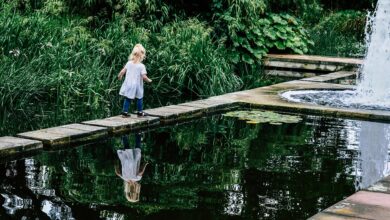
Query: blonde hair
{"type": "Point", "coordinates": [132, 191]}
{"type": "Point", "coordinates": [138, 54]}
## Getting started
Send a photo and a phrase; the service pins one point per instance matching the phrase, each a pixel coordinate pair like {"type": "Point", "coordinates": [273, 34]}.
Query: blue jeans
{"type": "Point", "coordinates": [125, 141]}
{"type": "Point", "coordinates": [127, 102]}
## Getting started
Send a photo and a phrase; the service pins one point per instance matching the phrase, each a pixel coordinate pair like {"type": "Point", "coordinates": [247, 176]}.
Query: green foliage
{"type": "Point", "coordinates": [185, 60]}
{"type": "Point", "coordinates": [310, 11]}
{"type": "Point", "coordinates": [251, 33]}
{"type": "Point", "coordinates": [340, 34]}
{"type": "Point", "coordinates": [54, 7]}
{"type": "Point", "coordinates": [62, 68]}
{"type": "Point", "coordinates": [349, 23]}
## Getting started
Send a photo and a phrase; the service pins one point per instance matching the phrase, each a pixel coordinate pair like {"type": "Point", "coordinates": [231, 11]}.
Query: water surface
{"type": "Point", "coordinates": [212, 168]}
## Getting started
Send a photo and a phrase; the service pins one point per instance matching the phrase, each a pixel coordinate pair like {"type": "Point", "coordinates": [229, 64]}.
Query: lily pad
{"type": "Point", "coordinates": [257, 117]}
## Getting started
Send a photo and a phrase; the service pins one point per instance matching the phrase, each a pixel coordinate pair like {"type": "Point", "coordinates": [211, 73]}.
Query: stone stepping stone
{"type": "Point", "coordinates": [330, 76]}
{"type": "Point", "coordinates": [66, 134]}
{"type": "Point", "coordinates": [176, 112]}
{"type": "Point", "coordinates": [363, 204]}
{"type": "Point", "coordinates": [315, 59]}
{"type": "Point", "coordinates": [304, 62]}
{"type": "Point", "coordinates": [382, 186]}
{"type": "Point", "coordinates": [10, 146]}
{"type": "Point", "coordinates": [212, 105]}
{"type": "Point", "coordinates": [118, 124]}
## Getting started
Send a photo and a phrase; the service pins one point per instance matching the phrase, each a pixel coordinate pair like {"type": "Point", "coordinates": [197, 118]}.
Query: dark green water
{"type": "Point", "coordinates": [212, 168]}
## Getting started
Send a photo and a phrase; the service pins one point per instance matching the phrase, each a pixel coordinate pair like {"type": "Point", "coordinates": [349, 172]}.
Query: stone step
{"type": "Point", "coordinates": [312, 63]}
{"type": "Point", "coordinates": [382, 186]}
{"type": "Point", "coordinates": [118, 124]}
{"type": "Point", "coordinates": [171, 113]}
{"type": "Point", "coordinates": [10, 146]}
{"type": "Point", "coordinates": [212, 105]}
{"type": "Point", "coordinates": [66, 134]}
{"type": "Point", "coordinates": [289, 73]}
{"type": "Point", "coordinates": [331, 76]}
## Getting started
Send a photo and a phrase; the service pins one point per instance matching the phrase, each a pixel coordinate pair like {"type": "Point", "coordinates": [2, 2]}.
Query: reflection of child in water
{"type": "Point", "coordinates": [132, 170]}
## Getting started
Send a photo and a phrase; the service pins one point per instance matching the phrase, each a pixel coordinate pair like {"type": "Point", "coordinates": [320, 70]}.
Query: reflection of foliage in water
{"type": "Point", "coordinates": [197, 150]}
{"type": "Point", "coordinates": [210, 163]}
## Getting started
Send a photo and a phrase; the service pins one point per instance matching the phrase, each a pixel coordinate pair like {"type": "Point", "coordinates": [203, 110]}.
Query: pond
{"type": "Point", "coordinates": [211, 168]}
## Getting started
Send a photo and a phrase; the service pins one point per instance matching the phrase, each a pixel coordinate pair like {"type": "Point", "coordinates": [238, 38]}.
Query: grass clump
{"type": "Point", "coordinates": [340, 34]}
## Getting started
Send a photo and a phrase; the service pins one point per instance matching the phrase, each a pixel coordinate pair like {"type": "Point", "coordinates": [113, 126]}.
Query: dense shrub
{"type": "Point", "coordinates": [251, 33]}
{"type": "Point", "coordinates": [340, 34]}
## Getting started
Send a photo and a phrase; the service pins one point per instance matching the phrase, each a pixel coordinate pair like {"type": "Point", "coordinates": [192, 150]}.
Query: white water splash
{"type": "Point", "coordinates": [374, 84]}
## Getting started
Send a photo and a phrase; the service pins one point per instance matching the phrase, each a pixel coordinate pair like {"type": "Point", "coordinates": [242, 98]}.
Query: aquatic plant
{"type": "Point", "coordinates": [256, 117]}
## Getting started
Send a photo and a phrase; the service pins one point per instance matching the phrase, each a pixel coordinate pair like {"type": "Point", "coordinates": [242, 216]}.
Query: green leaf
{"type": "Point", "coordinates": [298, 51]}
{"type": "Point", "coordinates": [247, 59]}
{"type": "Point", "coordinates": [280, 45]}
{"type": "Point", "coordinates": [270, 34]}
{"type": "Point", "coordinates": [235, 58]}
{"type": "Point", "coordinates": [259, 53]}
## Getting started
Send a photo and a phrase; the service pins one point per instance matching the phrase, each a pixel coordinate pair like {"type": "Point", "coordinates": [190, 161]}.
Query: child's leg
{"type": "Point", "coordinates": [139, 105]}
{"type": "Point", "coordinates": [126, 104]}
{"type": "Point", "coordinates": [125, 142]}
{"type": "Point", "coordinates": [137, 140]}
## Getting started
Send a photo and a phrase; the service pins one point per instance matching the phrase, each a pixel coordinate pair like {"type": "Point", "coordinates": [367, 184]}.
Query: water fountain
{"type": "Point", "coordinates": [373, 87]}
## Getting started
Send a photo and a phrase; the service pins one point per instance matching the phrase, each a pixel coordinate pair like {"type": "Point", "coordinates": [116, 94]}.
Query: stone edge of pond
{"type": "Point", "coordinates": [364, 204]}
{"type": "Point", "coordinates": [269, 98]}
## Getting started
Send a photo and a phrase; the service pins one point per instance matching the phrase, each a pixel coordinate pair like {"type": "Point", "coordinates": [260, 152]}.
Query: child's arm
{"type": "Point", "coordinates": [121, 73]}
{"type": "Point", "coordinates": [145, 78]}
{"type": "Point", "coordinates": [143, 170]}
{"type": "Point", "coordinates": [117, 172]}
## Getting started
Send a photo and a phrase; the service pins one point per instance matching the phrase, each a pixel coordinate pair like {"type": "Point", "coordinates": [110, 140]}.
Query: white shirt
{"type": "Point", "coordinates": [130, 161]}
{"type": "Point", "coordinates": [133, 86]}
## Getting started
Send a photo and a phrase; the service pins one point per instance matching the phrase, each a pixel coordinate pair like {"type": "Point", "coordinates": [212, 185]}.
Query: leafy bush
{"type": "Point", "coordinates": [251, 33]}
{"type": "Point", "coordinates": [310, 11]}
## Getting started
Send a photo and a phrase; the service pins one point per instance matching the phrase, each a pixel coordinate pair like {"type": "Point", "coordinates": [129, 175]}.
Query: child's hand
{"type": "Point", "coordinates": [149, 81]}
{"type": "Point", "coordinates": [121, 73]}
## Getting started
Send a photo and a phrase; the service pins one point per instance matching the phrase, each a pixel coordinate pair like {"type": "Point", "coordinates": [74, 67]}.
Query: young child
{"type": "Point", "coordinates": [133, 86]}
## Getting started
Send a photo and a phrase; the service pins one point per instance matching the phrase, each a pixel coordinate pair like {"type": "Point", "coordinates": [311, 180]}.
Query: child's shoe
{"type": "Point", "coordinates": [125, 115]}
{"type": "Point", "coordinates": [141, 114]}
